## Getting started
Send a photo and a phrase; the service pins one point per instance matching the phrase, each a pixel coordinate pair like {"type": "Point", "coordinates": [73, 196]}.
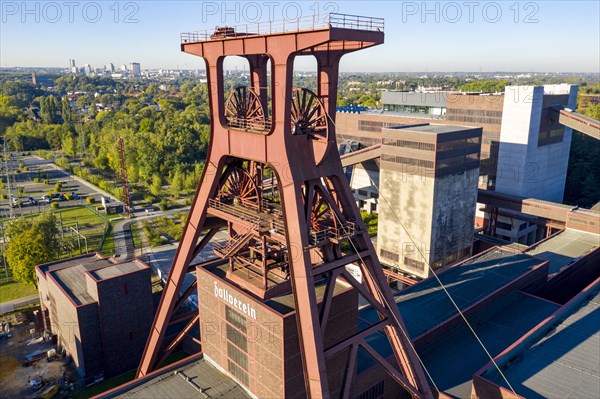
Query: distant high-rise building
{"type": "Point", "coordinates": [87, 68]}
{"type": "Point", "coordinates": [33, 79]}
{"type": "Point", "coordinates": [110, 67]}
{"type": "Point", "coordinates": [71, 63]}
{"type": "Point", "coordinates": [135, 69]}
{"type": "Point", "coordinates": [123, 68]}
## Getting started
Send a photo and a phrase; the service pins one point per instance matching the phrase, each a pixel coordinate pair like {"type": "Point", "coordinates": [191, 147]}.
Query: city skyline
{"type": "Point", "coordinates": [427, 36]}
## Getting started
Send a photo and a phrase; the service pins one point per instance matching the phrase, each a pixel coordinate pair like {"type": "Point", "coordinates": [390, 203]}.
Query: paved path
{"type": "Point", "coordinates": [124, 248]}
{"type": "Point", "coordinates": [9, 306]}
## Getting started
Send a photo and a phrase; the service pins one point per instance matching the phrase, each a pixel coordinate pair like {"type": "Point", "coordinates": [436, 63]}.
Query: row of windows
{"type": "Point", "coordinates": [421, 163]}
{"type": "Point", "coordinates": [450, 145]}
{"type": "Point", "coordinates": [409, 144]}
{"type": "Point", "coordinates": [477, 112]}
{"type": "Point", "coordinates": [389, 255]}
{"type": "Point", "coordinates": [459, 160]}
{"type": "Point", "coordinates": [236, 319]}
{"type": "Point", "coordinates": [237, 345]}
{"type": "Point", "coordinates": [475, 119]}
{"type": "Point", "coordinates": [237, 372]}
{"type": "Point", "coordinates": [415, 264]}
{"type": "Point", "coordinates": [372, 126]}
{"type": "Point", "coordinates": [367, 141]}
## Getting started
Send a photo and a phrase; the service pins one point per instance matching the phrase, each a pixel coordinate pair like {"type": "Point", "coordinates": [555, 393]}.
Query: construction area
{"type": "Point", "coordinates": [478, 284]}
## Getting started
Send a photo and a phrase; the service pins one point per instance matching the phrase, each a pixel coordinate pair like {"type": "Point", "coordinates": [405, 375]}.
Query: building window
{"type": "Point", "coordinates": [389, 255]}
{"type": "Point", "coordinates": [415, 264]}
{"type": "Point", "coordinates": [237, 345]}
{"type": "Point", "coordinates": [374, 195]}
{"type": "Point", "coordinates": [235, 318]}
{"type": "Point", "coordinates": [237, 372]}
{"type": "Point", "coordinates": [375, 392]}
{"type": "Point", "coordinates": [363, 193]}
{"type": "Point", "coordinates": [409, 144]}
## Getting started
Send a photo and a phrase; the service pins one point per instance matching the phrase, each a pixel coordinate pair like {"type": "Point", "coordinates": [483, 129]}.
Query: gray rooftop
{"type": "Point", "coordinates": [70, 262]}
{"type": "Point", "coordinates": [565, 247]}
{"type": "Point", "coordinates": [431, 128]}
{"type": "Point", "coordinates": [117, 270]}
{"type": "Point", "coordinates": [72, 280]}
{"type": "Point", "coordinates": [565, 363]}
{"type": "Point", "coordinates": [433, 99]}
{"type": "Point", "coordinates": [425, 305]}
{"type": "Point", "coordinates": [454, 358]}
{"type": "Point", "coordinates": [202, 374]}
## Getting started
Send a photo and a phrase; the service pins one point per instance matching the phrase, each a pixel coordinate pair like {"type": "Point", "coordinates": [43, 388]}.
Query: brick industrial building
{"type": "Point", "coordinates": [99, 310]}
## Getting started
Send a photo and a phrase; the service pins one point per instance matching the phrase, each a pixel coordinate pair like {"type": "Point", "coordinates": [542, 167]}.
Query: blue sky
{"type": "Point", "coordinates": [545, 36]}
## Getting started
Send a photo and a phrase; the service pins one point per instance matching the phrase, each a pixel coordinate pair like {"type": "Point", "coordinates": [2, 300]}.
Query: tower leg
{"type": "Point", "coordinates": [307, 315]}
{"type": "Point", "coordinates": [183, 257]}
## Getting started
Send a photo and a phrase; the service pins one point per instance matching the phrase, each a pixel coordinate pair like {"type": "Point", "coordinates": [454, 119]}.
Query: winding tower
{"type": "Point", "coordinates": [274, 180]}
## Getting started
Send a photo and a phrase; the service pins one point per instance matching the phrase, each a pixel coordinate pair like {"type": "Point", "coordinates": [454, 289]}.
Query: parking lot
{"type": "Point", "coordinates": [29, 200]}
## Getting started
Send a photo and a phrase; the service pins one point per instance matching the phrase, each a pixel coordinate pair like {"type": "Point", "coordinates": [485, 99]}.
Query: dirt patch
{"type": "Point", "coordinates": [16, 369]}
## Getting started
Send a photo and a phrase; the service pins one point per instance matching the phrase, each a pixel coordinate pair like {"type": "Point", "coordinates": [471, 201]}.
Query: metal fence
{"type": "Point", "coordinates": [304, 23]}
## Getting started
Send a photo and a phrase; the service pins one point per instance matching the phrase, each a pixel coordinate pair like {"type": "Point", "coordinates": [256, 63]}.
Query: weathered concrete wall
{"type": "Point", "coordinates": [405, 213]}
{"type": "Point", "coordinates": [454, 199]}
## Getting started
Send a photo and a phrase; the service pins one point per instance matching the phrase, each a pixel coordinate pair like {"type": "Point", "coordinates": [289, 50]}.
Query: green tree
{"type": "Point", "coordinates": [156, 186]}
{"type": "Point", "coordinates": [66, 111]}
{"type": "Point", "coordinates": [31, 243]}
{"type": "Point", "coordinates": [176, 184]}
{"type": "Point", "coordinates": [68, 145]}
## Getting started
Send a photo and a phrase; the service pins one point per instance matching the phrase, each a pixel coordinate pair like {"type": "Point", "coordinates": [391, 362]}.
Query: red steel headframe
{"type": "Point", "coordinates": [306, 169]}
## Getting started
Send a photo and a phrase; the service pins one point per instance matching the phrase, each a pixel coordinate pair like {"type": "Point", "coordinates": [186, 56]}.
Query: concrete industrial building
{"type": "Point", "coordinates": [524, 149]}
{"type": "Point", "coordinates": [428, 185]}
{"type": "Point", "coordinates": [99, 310]}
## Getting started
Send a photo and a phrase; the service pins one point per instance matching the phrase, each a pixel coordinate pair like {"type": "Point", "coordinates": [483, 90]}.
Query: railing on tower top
{"type": "Point", "coordinates": [304, 23]}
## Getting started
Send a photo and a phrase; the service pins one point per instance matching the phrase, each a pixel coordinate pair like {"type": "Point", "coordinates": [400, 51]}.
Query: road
{"type": "Point", "coordinates": [9, 306]}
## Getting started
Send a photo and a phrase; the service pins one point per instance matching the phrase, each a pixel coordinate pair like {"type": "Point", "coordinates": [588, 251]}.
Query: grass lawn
{"type": "Point", "coordinates": [105, 385]}
{"type": "Point", "coordinates": [135, 235]}
{"type": "Point", "coordinates": [13, 290]}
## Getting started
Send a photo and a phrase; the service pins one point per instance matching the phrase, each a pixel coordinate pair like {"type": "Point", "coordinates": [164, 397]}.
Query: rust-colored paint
{"type": "Point", "coordinates": [307, 169]}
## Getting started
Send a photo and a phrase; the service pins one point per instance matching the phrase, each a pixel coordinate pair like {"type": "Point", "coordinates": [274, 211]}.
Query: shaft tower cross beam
{"type": "Point", "coordinates": [295, 139]}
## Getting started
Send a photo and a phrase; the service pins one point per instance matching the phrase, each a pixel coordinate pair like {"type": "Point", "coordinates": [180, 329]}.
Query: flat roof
{"type": "Point", "coordinates": [425, 305]}
{"type": "Point", "coordinates": [434, 128]}
{"type": "Point", "coordinates": [454, 358]}
{"type": "Point", "coordinates": [48, 267]}
{"type": "Point", "coordinates": [564, 248]}
{"type": "Point", "coordinates": [283, 304]}
{"type": "Point", "coordinates": [201, 375]}
{"type": "Point", "coordinates": [117, 270]}
{"type": "Point", "coordinates": [423, 99]}
{"type": "Point", "coordinates": [565, 363]}
{"type": "Point", "coordinates": [72, 280]}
